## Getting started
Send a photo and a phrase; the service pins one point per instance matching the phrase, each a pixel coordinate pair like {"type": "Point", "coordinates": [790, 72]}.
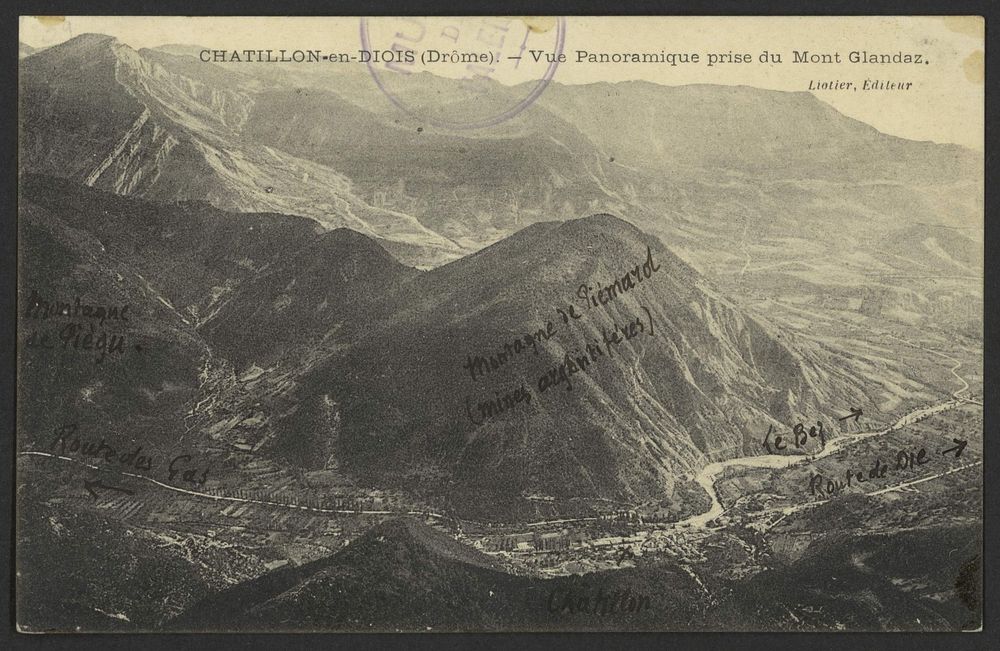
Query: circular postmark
{"type": "Point", "coordinates": [482, 70]}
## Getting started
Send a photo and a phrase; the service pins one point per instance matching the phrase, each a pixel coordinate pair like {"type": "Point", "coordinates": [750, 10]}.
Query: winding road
{"type": "Point", "coordinates": [228, 498]}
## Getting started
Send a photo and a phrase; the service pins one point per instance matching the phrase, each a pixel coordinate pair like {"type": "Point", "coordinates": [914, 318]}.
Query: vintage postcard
{"type": "Point", "coordinates": [500, 324]}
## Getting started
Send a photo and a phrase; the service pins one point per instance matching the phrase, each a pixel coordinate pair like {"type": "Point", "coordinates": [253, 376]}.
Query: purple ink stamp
{"type": "Point", "coordinates": [501, 65]}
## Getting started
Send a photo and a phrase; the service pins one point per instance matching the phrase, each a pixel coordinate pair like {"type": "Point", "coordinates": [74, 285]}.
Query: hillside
{"type": "Point", "coordinates": [405, 576]}
{"type": "Point", "coordinates": [697, 378]}
{"type": "Point", "coordinates": [100, 348]}
{"type": "Point", "coordinates": [304, 298]}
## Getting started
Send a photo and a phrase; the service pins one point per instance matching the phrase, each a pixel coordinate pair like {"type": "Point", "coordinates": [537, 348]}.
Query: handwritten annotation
{"type": "Point", "coordinates": [182, 467]}
{"type": "Point", "coordinates": [85, 330]}
{"type": "Point", "coordinates": [573, 362]}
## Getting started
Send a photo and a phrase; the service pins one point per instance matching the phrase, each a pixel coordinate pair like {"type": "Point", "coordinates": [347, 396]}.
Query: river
{"type": "Point", "coordinates": [710, 473]}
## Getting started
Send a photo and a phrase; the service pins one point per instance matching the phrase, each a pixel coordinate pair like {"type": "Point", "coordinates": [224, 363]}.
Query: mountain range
{"type": "Point", "coordinates": [699, 378]}
{"type": "Point", "coordinates": [725, 174]}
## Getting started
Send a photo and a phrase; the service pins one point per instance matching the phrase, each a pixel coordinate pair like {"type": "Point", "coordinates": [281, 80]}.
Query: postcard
{"type": "Point", "coordinates": [504, 323]}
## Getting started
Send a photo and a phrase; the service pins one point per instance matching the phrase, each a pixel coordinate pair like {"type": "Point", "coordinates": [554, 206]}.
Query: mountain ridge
{"type": "Point", "coordinates": [182, 140]}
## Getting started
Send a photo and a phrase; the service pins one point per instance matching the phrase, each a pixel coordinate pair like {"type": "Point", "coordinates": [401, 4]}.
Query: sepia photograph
{"type": "Point", "coordinates": [499, 324]}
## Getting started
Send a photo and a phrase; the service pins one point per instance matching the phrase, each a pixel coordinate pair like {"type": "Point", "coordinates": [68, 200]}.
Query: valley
{"type": "Point", "coordinates": [744, 538]}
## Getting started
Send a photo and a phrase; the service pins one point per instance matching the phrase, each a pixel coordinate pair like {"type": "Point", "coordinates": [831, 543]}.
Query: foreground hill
{"type": "Point", "coordinates": [404, 575]}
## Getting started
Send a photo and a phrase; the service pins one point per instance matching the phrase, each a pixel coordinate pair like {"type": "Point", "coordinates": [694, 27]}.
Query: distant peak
{"type": "Point", "coordinates": [91, 38]}
{"type": "Point", "coordinates": [603, 221]}
{"type": "Point", "coordinates": [83, 46]}
{"type": "Point", "coordinates": [180, 49]}
{"type": "Point", "coordinates": [601, 218]}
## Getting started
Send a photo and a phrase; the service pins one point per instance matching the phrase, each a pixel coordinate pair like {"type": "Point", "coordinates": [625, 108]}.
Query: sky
{"type": "Point", "coordinates": [945, 102]}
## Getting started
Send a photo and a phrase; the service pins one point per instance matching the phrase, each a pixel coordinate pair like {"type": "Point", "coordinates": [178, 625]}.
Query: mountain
{"type": "Point", "coordinates": [167, 128]}
{"type": "Point", "coordinates": [171, 267]}
{"type": "Point", "coordinates": [111, 575]}
{"type": "Point", "coordinates": [456, 184]}
{"type": "Point", "coordinates": [399, 397]}
{"type": "Point", "coordinates": [193, 253]}
{"type": "Point", "coordinates": [403, 575]}
{"type": "Point", "coordinates": [737, 177]}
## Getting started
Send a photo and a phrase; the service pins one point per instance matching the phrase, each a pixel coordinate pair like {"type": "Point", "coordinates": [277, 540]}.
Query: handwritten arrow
{"type": "Point", "coordinates": [855, 414]}
{"type": "Point", "coordinates": [91, 485]}
{"type": "Point", "coordinates": [957, 449]}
